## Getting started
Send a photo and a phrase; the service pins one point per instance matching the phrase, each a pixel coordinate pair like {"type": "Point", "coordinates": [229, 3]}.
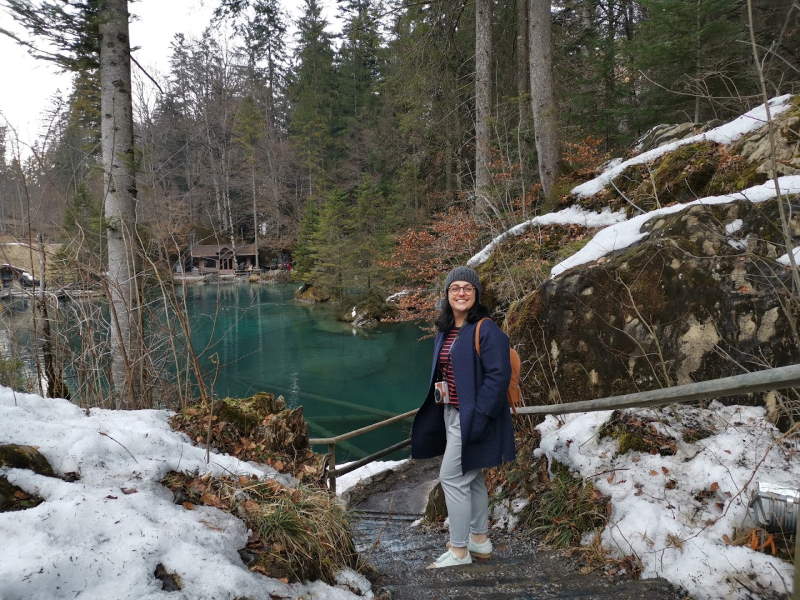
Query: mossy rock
{"type": "Point", "coordinates": [686, 173]}
{"type": "Point", "coordinates": [522, 263]}
{"type": "Point", "coordinates": [259, 428]}
{"type": "Point", "coordinates": [13, 498]}
{"type": "Point", "coordinates": [636, 434]}
{"type": "Point", "coordinates": [436, 509]}
{"type": "Point", "coordinates": [248, 413]}
{"type": "Point", "coordinates": [312, 294]}
{"type": "Point", "coordinates": [17, 456]}
{"type": "Point", "coordinates": [681, 305]}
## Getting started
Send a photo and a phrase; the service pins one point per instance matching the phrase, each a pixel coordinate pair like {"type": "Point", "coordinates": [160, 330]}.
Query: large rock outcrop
{"type": "Point", "coordinates": [701, 297]}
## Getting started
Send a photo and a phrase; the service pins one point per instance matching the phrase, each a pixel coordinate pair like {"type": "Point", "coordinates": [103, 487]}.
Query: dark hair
{"type": "Point", "coordinates": [445, 321]}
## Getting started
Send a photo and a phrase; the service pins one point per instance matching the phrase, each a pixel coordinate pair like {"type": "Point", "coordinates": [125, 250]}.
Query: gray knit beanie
{"type": "Point", "coordinates": [464, 274]}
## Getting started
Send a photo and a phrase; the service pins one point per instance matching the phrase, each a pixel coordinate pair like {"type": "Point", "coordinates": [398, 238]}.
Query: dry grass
{"type": "Point", "coordinates": [567, 508]}
{"type": "Point", "coordinates": [297, 534]}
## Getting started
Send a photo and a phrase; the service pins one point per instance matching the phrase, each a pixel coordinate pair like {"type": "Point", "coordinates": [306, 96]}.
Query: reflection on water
{"type": "Point", "coordinates": [255, 338]}
{"type": "Point", "coordinates": [16, 341]}
{"type": "Point", "coordinates": [264, 341]}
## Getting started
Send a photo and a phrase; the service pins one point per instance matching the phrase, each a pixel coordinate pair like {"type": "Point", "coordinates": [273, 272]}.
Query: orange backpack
{"type": "Point", "coordinates": [514, 393]}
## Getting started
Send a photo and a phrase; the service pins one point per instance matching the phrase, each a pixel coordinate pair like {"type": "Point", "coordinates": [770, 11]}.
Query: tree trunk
{"type": "Point", "coordinates": [523, 79]}
{"type": "Point", "coordinates": [483, 97]}
{"type": "Point", "coordinates": [545, 117]}
{"type": "Point", "coordinates": [120, 197]}
{"type": "Point", "coordinates": [52, 365]}
{"type": "Point", "coordinates": [255, 213]}
{"type": "Point", "coordinates": [523, 94]}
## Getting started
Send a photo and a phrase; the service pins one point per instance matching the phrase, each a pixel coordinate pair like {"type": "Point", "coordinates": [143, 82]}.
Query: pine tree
{"type": "Point", "coordinates": [332, 244]}
{"type": "Point", "coordinates": [305, 253]}
{"type": "Point", "coordinates": [360, 63]}
{"type": "Point", "coordinates": [691, 53]}
{"type": "Point", "coordinates": [312, 94]}
{"type": "Point", "coordinates": [374, 219]}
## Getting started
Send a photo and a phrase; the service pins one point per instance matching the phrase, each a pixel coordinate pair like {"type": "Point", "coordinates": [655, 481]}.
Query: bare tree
{"type": "Point", "coordinates": [120, 198]}
{"type": "Point", "coordinates": [483, 96]}
{"type": "Point", "coordinates": [545, 117]}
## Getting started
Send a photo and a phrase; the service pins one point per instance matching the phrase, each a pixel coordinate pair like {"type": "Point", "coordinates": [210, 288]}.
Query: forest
{"type": "Point", "coordinates": [378, 156]}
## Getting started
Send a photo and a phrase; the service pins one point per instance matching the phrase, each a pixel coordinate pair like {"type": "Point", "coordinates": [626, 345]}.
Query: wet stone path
{"type": "Point", "coordinates": [385, 509]}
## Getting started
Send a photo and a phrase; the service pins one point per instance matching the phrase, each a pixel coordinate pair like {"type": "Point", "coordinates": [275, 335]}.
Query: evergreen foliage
{"type": "Point", "coordinates": [312, 93]}
{"type": "Point", "coordinates": [697, 50]}
{"type": "Point", "coordinates": [343, 145]}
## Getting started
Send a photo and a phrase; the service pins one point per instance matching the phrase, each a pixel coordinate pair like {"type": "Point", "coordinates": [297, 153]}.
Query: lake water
{"type": "Point", "coordinates": [265, 341]}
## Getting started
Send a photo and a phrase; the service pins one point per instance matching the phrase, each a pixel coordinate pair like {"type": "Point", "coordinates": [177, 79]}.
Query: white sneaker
{"type": "Point", "coordinates": [448, 559]}
{"type": "Point", "coordinates": [480, 550]}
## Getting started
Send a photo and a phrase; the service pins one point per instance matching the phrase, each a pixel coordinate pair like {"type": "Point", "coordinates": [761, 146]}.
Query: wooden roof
{"type": "Point", "coordinates": [217, 250]}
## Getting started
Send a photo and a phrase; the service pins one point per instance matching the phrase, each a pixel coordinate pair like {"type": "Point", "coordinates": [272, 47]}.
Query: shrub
{"type": "Point", "coordinates": [567, 508]}
{"type": "Point", "coordinates": [298, 534]}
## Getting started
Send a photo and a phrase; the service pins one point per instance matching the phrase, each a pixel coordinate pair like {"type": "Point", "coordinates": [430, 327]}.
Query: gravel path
{"type": "Point", "coordinates": [520, 567]}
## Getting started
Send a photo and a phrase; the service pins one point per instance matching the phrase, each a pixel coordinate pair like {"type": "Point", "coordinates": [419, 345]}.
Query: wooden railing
{"type": "Point", "coordinates": [332, 472]}
{"type": "Point", "coordinates": [747, 383]}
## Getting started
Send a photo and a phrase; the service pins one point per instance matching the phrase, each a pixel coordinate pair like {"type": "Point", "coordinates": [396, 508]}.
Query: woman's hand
{"type": "Point", "coordinates": [480, 426]}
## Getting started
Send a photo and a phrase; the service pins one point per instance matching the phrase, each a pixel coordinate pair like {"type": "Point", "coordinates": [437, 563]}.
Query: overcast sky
{"type": "Point", "coordinates": [29, 85]}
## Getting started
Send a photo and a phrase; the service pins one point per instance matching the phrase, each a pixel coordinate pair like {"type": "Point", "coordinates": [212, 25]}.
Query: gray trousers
{"type": "Point", "coordinates": [464, 493]}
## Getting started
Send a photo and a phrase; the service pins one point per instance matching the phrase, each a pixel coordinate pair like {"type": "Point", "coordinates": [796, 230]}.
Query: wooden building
{"type": "Point", "coordinates": [11, 276]}
{"type": "Point", "coordinates": [222, 258]}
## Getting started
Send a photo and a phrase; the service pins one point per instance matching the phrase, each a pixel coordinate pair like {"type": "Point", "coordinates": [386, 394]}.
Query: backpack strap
{"type": "Point", "coordinates": [478, 336]}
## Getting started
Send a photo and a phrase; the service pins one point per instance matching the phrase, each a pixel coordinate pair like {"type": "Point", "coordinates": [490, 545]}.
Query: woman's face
{"type": "Point", "coordinates": [461, 296]}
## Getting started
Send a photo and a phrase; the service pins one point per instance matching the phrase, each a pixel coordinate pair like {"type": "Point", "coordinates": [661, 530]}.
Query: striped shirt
{"type": "Point", "coordinates": [446, 367]}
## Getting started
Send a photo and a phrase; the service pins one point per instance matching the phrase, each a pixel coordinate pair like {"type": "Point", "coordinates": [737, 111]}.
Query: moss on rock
{"type": "Point", "coordinates": [17, 456]}
{"type": "Point", "coordinates": [13, 498]}
{"type": "Point", "coordinates": [638, 434]}
{"type": "Point", "coordinates": [689, 302]}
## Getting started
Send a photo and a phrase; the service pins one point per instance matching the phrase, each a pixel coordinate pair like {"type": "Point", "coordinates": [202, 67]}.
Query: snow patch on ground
{"type": "Point", "coordinates": [348, 480]}
{"type": "Point", "coordinates": [625, 233]}
{"type": "Point", "coordinates": [673, 511]}
{"type": "Point", "coordinates": [91, 538]}
{"type": "Point", "coordinates": [396, 296]}
{"type": "Point", "coordinates": [733, 226]}
{"type": "Point", "coordinates": [724, 134]}
{"type": "Point", "coordinates": [784, 260]}
{"type": "Point", "coordinates": [572, 215]}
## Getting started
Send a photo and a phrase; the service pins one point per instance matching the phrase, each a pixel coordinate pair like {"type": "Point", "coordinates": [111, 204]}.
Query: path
{"type": "Point", "coordinates": [520, 568]}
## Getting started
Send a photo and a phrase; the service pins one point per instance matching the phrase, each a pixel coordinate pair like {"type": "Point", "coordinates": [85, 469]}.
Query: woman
{"type": "Point", "coordinates": [465, 416]}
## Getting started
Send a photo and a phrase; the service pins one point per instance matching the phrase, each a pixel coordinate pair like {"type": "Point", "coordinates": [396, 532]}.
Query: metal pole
{"type": "Point", "coordinates": [796, 591]}
{"type": "Point", "coordinates": [332, 468]}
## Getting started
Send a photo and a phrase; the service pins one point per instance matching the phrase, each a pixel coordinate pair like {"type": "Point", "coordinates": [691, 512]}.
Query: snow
{"type": "Point", "coordinates": [784, 260]}
{"type": "Point", "coordinates": [676, 535]}
{"type": "Point", "coordinates": [724, 134]}
{"type": "Point", "coordinates": [572, 215]}
{"type": "Point", "coordinates": [733, 226]}
{"type": "Point", "coordinates": [396, 296]}
{"type": "Point", "coordinates": [505, 514]}
{"type": "Point", "coordinates": [348, 480]}
{"type": "Point", "coordinates": [625, 233]}
{"type": "Point", "coordinates": [103, 535]}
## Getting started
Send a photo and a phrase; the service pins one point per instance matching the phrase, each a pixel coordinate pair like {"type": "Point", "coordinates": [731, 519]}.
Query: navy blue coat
{"type": "Point", "coordinates": [487, 432]}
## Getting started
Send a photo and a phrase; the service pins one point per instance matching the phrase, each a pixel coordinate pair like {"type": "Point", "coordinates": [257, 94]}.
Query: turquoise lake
{"type": "Point", "coordinates": [265, 341]}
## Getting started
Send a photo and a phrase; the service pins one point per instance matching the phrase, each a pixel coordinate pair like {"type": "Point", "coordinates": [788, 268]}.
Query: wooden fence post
{"type": "Point", "coordinates": [332, 468]}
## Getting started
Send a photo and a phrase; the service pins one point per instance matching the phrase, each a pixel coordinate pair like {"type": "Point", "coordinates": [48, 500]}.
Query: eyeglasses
{"type": "Point", "coordinates": [456, 289]}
